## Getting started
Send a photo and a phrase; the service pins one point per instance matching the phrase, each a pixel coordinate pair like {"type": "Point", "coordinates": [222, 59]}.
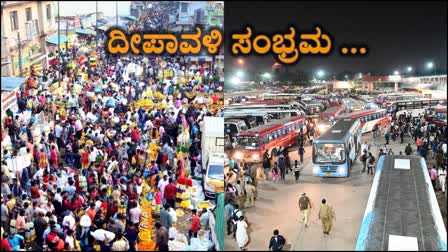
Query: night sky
{"type": "Point", "coordinates": [398, 34]}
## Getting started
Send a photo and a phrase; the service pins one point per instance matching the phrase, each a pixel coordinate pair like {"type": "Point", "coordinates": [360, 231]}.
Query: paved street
{"type": "Point", "coordinates": [277, 208]}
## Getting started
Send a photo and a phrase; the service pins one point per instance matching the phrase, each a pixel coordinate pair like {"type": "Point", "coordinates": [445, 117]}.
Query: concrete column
{"type": "Point", "coordinates": [396, 87]}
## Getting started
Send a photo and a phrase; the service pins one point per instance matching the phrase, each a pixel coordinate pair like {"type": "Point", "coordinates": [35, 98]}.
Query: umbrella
{"type": "Point", "coordinates": [99, 235]}
{"type": "Point", "coordinates": [85, 221]}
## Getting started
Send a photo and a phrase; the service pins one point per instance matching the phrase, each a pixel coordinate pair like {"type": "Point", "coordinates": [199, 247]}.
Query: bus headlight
{"type": "Point", "coordinates": [341, 170]}
{"type": "Point", "coordinates": [255, 156]}
{"type": "Point", "coordinates": [238, 155]}
{"type": "Point", "coordinates": [315, 169]}
{"type": "Point", "coordinates": [321, 128]}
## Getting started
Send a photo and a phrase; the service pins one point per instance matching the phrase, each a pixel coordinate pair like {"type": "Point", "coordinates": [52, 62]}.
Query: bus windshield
{"type": "Point", "coordinates": [248, 142]}
{"type": "Point", "coordinates": [440, 116]}
{"type": "Point", "coordinates": [329, 153]}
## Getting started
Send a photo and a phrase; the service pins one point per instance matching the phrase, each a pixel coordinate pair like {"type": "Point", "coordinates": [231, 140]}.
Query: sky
{"type": "Point", "coordinates": [398, 34]}
{"type": "Point", "coordinates": [108, 8]}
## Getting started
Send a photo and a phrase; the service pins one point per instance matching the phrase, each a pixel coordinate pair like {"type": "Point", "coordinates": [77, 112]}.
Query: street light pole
{"type": "Point", "coordinates": [66, 34]}
{"type": "Point", "coordinates": [96, 25]}
{"type": "Point", "coordinates": [20, 54]}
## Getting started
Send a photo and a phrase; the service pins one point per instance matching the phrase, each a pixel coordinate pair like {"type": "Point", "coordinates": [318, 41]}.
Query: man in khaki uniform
{"type": "Point", "coordinates": [250, 195]}
{"type": "Point", "coordinates": [305, 206]}
{"type": "Point", "coordinates": [326, 215]}
{"type": "Point", "coordinates": [240, 193]}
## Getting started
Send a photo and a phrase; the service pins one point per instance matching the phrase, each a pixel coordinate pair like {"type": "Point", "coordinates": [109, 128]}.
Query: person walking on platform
{"type": "Point", "coordinates": [408, 149]}
{"type": "Point", "coordinates": [433, 176]}
{"type": "Point", "coordinates": [364, 160]}
{"type": "Point", "coordinates": [326, 215]}
{"type": "Point", "coordinates": [442, 177]}
{"type": "Point", "coordinates": [305, 207]}
{"type": "Point", "coordinates": [266, 164]}
{"type": "Point", "coordinates": [370, 162]}
{"type": "Point", "coordinates": [301, 152]}
{"type": "Point", "coordinates": [277, 242]}
{"type": "Point", "coordinates": [296, 170]}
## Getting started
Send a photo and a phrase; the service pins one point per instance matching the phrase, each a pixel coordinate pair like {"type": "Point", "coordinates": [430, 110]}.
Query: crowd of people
{"type": "Point", "coordinates": [95, 134]}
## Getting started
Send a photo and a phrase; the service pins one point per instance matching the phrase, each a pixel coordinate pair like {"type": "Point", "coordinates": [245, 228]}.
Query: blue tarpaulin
{"type": "Point", "coordinates": [54, 40]}
{"type": "Point", "coordinates": [11, 83]}
{"type": "Point", "coordinates": [85, 31]}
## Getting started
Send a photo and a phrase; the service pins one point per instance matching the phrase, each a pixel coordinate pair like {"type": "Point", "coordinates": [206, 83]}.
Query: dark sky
{"type": "Point", "coordinates": [399, 34]}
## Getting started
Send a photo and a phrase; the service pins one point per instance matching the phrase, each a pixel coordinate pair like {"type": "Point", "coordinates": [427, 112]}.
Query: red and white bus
{"type": "Point", "coordinates": [267, 102]}
{"type": "Point", "coordinates": [370, 119]}
{"type": "Point", "coordinates": [327, 117]}
{"type": "Point", "coordinates": [437, 114]}
{"type": "Point", "coordinates": [251, 145]}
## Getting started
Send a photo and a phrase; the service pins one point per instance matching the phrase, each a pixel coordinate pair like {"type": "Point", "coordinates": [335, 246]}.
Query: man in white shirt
{"type": "Point", "coordinates": [162, 184]}
{"type": "Point", "coordinates": [58, 196]}
{"type": "Point", "coordinates": [61, 179]}
{"type": "Point", "coordinates": [365, 146]}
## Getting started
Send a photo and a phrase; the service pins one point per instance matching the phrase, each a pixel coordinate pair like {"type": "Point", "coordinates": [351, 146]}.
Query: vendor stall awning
{"type": "Point", "coordinates": [103, 27]}
{"type": "Point", "coordinates": [85, 31]}
{"type": "Point", "coordinates": [131, 17]}
{"type": "Point", "coordinates": [54, 40]}
{"type": "Point", "coordinates": [11, 83]}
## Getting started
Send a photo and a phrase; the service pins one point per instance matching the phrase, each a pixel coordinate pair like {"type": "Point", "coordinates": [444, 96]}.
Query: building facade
{"type": "Point", "coordinates": [24, 27]}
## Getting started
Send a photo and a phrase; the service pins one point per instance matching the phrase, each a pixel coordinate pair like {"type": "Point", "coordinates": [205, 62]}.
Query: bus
{"type": "Point", "coordinates": [273, 114]}
{"type": "Point", "coordinates": [259, 106]}
{"type": "Point", "coordinates": [335, 150]}
{"type": "Point", "coordinates": [327, 117]}
{"type": "Point", "coordinates": [384, 99]}
{"type": "Point", "coordinates": [234, 126]}
{"type": "Point", "coordinates": [414, 104]}
{"type": "Point", "coordinates": [370, 119]}
{"type": "Point", "coordinates": [252, 144]}
{"type": "Point", "coordinates": [261, 117]}
{"type": "Point", "coordinates": [437, 115]}
{"type": "Point", "coordinates": [402, 212]}
{"type": "Point", "coordinates": [267, 102]}
{"type": "Point", "coordinates": [280, 96]}
{"type": "Point", "coordinates": [311, 106]}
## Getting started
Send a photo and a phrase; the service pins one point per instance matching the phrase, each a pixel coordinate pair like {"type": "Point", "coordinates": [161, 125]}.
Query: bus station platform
{"type": "Point", "coordinates": [402, 211]}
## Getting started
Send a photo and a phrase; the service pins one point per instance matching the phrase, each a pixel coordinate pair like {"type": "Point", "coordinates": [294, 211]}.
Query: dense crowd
{"type": "Point", "coordinates": [97, 135]}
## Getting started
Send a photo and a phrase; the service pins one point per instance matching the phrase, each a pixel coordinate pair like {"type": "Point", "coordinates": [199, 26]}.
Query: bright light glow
{"type": "Point", "coordinates": [409, 69]}
{"type": "Point", "coordinates": [360, 75]}
{"type": "Point", "coordinates": [267, 75]}
{"type": "Point", "coordinates": [346, 77]}
{"type": "Point", "coordinates": [240, 61]}
{"type": "Point", "coordinates": [320, 73]}
{"type": "Point", "coordinates": [239, 74]}
{"type": "Point", "coordinates": [341, 170]}
{"type": "Point", "coordinates": [322, 128]}
{"type": "Point", "coordinates": [316, 169]}
{"type": "Point", "coordinates": [396, 72]}
{"type": "Point", "coordinates": [429, 65]}
{"type": "Point", "coordinates": [255, 156]}
{"type": "Point", "coordinates": [238, 155]}
{"type": "Point", "coordinates": [235, 80]}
